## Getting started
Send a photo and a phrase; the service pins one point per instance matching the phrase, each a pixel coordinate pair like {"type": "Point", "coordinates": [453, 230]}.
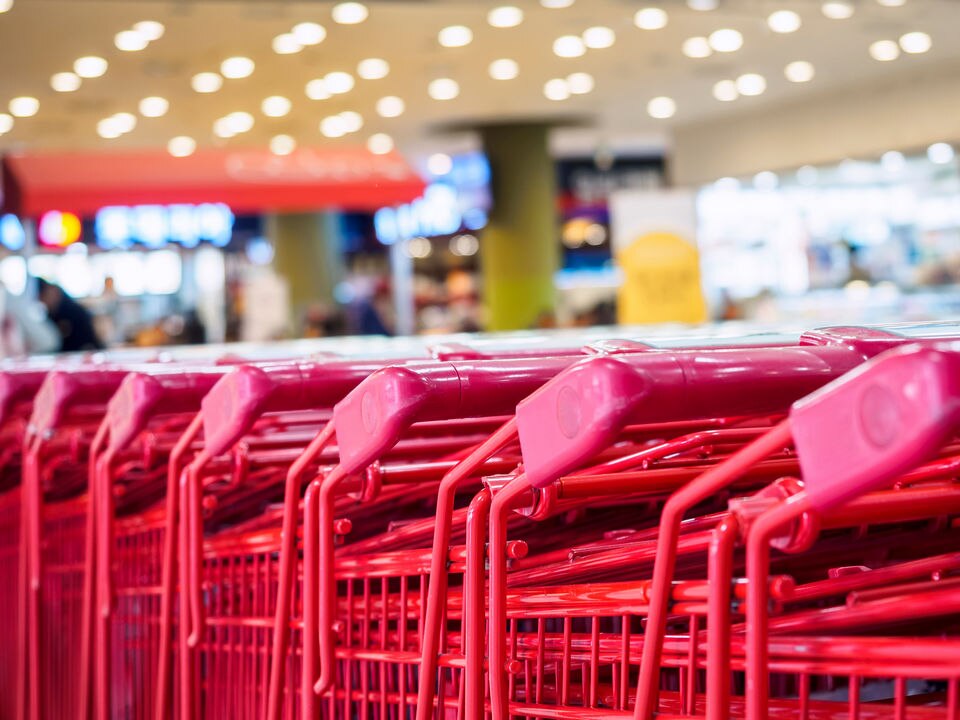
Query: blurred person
{"type": "Point", "coordinates": [74, 321]}
{"type": "Point", "coordinates": [374, 314]}
{"type": "Point", "coordinates": [24, 326]}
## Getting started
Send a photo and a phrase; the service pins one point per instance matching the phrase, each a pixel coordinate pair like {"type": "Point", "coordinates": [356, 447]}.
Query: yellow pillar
{"type": "Point", "coordinates": [307, 253]}
{"type": "Point", "coordinates": [519, 253]}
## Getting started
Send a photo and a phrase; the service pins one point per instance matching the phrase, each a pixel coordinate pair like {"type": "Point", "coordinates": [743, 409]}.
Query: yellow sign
{"type": "Point", "coordinates": [661, 281]}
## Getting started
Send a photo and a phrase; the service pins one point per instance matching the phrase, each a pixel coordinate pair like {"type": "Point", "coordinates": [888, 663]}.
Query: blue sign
{"type": "Point", "coordinates": [157, 225]}
{"type": "Point", "coordinates": [12, 236]}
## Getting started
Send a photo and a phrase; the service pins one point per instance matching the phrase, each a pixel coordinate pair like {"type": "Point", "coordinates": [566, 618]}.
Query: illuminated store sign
{"type": "Point", "coordinates": [157, 225]}
{"type": "Point", "coordinates": [58, 229]}
{"type": "Point", "coordinates": [12, 236]}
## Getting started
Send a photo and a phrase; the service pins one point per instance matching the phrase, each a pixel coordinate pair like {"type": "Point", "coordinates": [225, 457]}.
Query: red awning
{"type": "Point", "coordinates": [250, 181]}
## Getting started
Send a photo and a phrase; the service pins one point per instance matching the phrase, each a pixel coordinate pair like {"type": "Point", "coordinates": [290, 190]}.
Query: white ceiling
{"type": "Point", "coordinates": [41, 37]}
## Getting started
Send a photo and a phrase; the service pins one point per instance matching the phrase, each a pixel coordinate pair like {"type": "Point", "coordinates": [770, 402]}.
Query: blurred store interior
{"type": "Point", "coordinates": [213, 170]}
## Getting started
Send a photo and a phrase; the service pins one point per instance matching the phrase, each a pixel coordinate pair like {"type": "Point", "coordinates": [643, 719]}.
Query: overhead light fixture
{"type": "Point", "coordinates": [807, 175]}
{"type": "Point", "coordinates": [90, 66]}
{"type": "Point", "coordinates": [915, 43]}
{"type": "Point", "coordinates": [599, 37]}
{"type": "Point", "coordinates": [338, 82]}
{"type": "Point", "coordinates": [556, 4]}
{"type": "Point", "coordinates": [439, 164]}
{"type": "Point", "coordinates": [240, 121]}
{"type": "Point", "coordinates": [130, 41]}
{"type": "Point", "coordinates": [651, 18]}
{"type": "Point", "coordinates": [6, 123]}
{"type": "Point", "coordinates": [697, 47]}
{"type": "Point", "coordinates": [390, 106]}
{"type": "Point", "coordinates": [275, 106]}
{"type": "Point", "coordinates": [150, 29]}
{"type": "Point", "coordinates": [352, 121]}
{"type": "Point", "coordinates": [181, 146]}
{"type": "Point", "coordinates": [940, 153]}
{"type": "Point", "coordinates": [703, 5]}
{"type": "Point", "coordinates": [443, 89]}
{"type": "Point", "coordinates": [892, 3]}
{"type": "Point", "coordinates": [766, 180]}
{"type": "Point", "coordinates": [784, 21]}
{"type": "Point", "coordinates": [662, 107]}
{"type": "Point", "coordinates": [24, 106]}
{"type": "Point", "coordinates": [108, 129]}
{"type": "Point", "coordinates": [222, 128]}
{"type": "Point", "coordinates": [5, 5]}
{"type": "Point", "coordinates": [556, 89]}
{"type": "Point", "coordinates": [333, 126]}
{"type": "Point", "coordinates": [884, 50]}
{"type": "Point", "coordinates": [506, 16]}
{"type": "Point", "coordinates": [726, 91]}
{"type": "Point", "coordinates": [580, 83]}
{"type": "Point", "coordinates": [751, 84]}
{"type": "Point", "coordinates": [373, 68]}
{"type": "Point", "coordinates": [206, 82]}
{"type": "Point", "coordinates": [286, 44]}
{"type": "Point", "coordinates": [504, 69]}
{"type": "Point", "coordinates": [380, 144]}
{"type": "Point", "coordinates": [350, 13]}
{"type": "Point", "coordinates": [316, 89]}
{"type": "Point", "coordinates": [893, 162]}
{"type": "Point", "coordinates": [308, 33]}
{"type": "Point", "coordinates": [568, 46]}
{"type": "Point", "coordinates": [125, 122]}
{"type": "Point", "coordinates": [282, 144]}
{"type": "Point", "coordinates": [799, 71]}
{"type": "Point", "coordinates": [236, 68]}
{"type": "Point", "coordinates": [154, 106]}
{"type": "Point", "coordinates": [837, 10]}
{"type": "Point", "coordinates": [65, 81]}
{"type": "Point", "coordinates": [455, 36]}
{"type": "Point", "coordinates": [726, 40]}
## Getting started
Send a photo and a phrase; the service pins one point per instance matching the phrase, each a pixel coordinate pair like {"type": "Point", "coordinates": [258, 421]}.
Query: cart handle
{"type": "Point", "coordinates": [16, 386]}
{"type": "Point", "coordinates": [63, 389]}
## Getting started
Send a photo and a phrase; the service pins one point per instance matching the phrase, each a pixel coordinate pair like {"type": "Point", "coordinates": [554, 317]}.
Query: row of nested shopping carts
{"type": "Point", "coordinates": [574, 526]}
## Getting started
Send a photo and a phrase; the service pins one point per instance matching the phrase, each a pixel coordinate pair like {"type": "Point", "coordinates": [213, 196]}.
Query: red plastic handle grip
{"type": "Point", "coordinates": [18, 385]}
{"type": "Point", "coordinates": [371, 419]}
{"type": "Point", "coordinates": [884, 418]}
{"type": "Point", "coordinates": [63, 389]}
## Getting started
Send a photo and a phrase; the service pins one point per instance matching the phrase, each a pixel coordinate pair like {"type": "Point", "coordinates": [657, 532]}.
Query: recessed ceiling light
{"type": "Point", "coordinates": [661, 107]}
{"type": "Point", "coordinates": [154, 106]}
{"type": "Point", "coordinates": [784, 21]}
{"type": "Point", "coordinates": [940, 153]}
{"type": "Point", "coordinates": [90, 66]}
{"type": "Point", "coordinates": [380, 144]}
{"type": "Point", "coordinates": [556, 4]}
{"type": "Point", "coordinates": [222, 128]}
{"type": "Point", "coordinates": [352, 121]}
{"type": "Point", "coordinates": [892, 3]}
{"type": "Point", "coordinates": [837, 10]}
{"type": "Point", "coordinates": [373, 68]}
{"type": "Point", "coordinates": [181, 146]}
{"type": "Point", "coordinates": [726, 91]}
{"type": "Point", "coordinates": [65, 81]}
{"type": "Point", "coordinates": [316, 89]}
{"type": "Point", "coordinates": [443, 89]}
{"type": "Point", "coordinates": [282, 144]}
{"type": "Point", "coordinates": [5, 5]}
{"type": "Point", "coordinates": [24, 106]}
{"type": "Point", "coordinates": [580, 83]}
{"type": "Point", "coordinates": [130, 41]}
{"type": "Point", "coordinates": [505, 16]}
{"type": "Point", "coordinates": [275, 106]}
{"type": "Point", "coordinates": [350, 13]}
{"type": "Point", "coordinates": [726, 40]}
{"type": "Point", "coordinates": [390, 106]}
{"type": "Point", "coordinates": [108, 129]}
{"type": "Point", "coordinates": [599, 37]}
{"type": "Point", "coordinates": [439, 164]}
{"type": "Point", "coordinates": [308, 33]}
{"type": "Point", "coordinates": [556, 89]}
{"type": "Point", "coordinates": [206, 82]}
{"type": "Point", "coordinates": [338, 82]}
{"type": "Point", "coordinates": [455, 36]}
{"type": "Point", "coordinates": [915, 43]}
{"type": "Point", "coordinates": [799, 71]}
{"type": "Point", "coordinates": [6, 123]}
{"type": "Point", "coordinates": [651, 18]}
{"type": "Point", "coordinates": [125, 122]}
{"type": "Point", "coordinates": [236, 68]}
{"type": "Point", "coordinates": [884, 50]}
{"type": "Point", "coordinates": [286, 44]}
{"type": "Point", "coordinates": [568, 46]}
{"type": "Point", "coordinates": [751, 84]}
{"type": "Point", "coordinates": [150, 29]}
{"type": "Point", "coordinates": [504, 69]}
{"type": "Point", "coordinates": [893, 162]}
{"type": "Point", "coordinates": [332, 126]}
{"type": "Point", "coordinates": [766, 180]}
{"type": "Point", "coordinates": [697, 47]}
{"type": "Point", "coordinates": [240, 121]}
{"type": "Point", "coordinates": [703, 5]}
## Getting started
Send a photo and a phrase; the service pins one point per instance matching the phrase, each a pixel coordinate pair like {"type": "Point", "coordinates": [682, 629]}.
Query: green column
{"type": "Point", "coordinates": [307, 253]}
{"type": "Point", "coordinates": [519, 252]}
